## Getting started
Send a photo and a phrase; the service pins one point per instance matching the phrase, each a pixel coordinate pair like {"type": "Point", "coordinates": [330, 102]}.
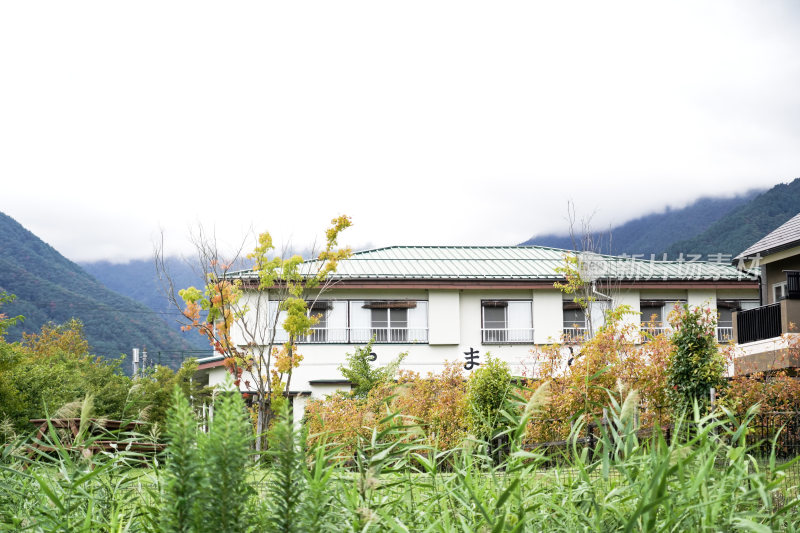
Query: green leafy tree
{"type": "Point", "coordinates": [574, 283]}
{"type": "Point", "coordinates": [363, 374]}
{"type": "Point", "coordinates": [232, 311]}
{"type": "Point", "coordinates": [11, 400]}
{"type": "Point", "coordinates": [152, 394]}
{"type": "Point", "coordinates": [695, 363]}
{"type": "Point", "coordinates": [52, 368]}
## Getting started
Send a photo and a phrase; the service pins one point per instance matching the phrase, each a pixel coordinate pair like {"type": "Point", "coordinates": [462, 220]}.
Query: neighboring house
{"type": "Point", "coordinates": [767, 335]}
{"type": "Point", "coordinates": [459, 303]}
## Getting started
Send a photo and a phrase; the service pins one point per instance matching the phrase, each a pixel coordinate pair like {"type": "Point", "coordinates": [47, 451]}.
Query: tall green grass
{"type": "Point", "coordinates": [708, 478]}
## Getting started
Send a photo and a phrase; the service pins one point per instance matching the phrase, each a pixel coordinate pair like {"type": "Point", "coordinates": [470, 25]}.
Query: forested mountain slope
{"type": "Point", "coordinates": [49, 287]}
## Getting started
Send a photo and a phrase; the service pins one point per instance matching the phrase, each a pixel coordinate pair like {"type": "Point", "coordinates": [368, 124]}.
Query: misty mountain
{"type": "Point", "coordinates": [746, 224]}
{"type": "Point", "coordinates": [656, 233]}
{"type": "Point", "coordinates": [138, 280]}
{"type": "Point", "coordinates": [49, 287]}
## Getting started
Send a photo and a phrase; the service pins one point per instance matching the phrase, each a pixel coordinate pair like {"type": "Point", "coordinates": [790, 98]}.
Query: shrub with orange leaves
{"type": "Point", "coordinates": [776, 392]}
{"type": "Point", "coordinates": [436, 402]}
{"type": "Point", "coordinates": [338, 418]}
{"type": "Point", "coordinates": [610, 363]}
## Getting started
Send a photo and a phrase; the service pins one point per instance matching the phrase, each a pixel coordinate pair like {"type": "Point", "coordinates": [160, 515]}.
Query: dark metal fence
{"type": "Point", "coordinates": [766, 431]}
{"type": "Point", "coordinates": [779, 429]}
{"type": "Point", "coordinates": [760, 323]}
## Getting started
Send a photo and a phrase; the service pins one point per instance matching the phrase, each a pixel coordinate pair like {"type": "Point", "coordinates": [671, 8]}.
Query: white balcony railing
{"type": "Point", "coordinates": [363, 336]}
{"type": "Point", "coordinates": [654, 331]}
{"type": "Point", "coordinates": [572, 335]}
{"type": "Point", "coordinates": [575, 334]}
{"type": "Point", "coordinates": [724, 334]}
{"type": "Point", "coordinates": [389, 335]}
{"type": "Point", "coordinates": [507, 336]}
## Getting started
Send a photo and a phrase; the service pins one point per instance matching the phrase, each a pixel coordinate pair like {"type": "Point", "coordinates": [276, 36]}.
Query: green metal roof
{"type": "Point", "coordinates": [515, 263]}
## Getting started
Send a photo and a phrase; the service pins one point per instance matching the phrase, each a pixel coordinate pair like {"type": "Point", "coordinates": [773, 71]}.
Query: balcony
{"type": "Point", "coordinates": [654, 330]}
{"type": "Point", "coordinates": [507, 336]}
{"type": "Point", "coordinates": [384, 335]}
{"type": "Point", "coordinates": [758, 324]}
{"type": "Point", "coordinates": [767, 337]}
{"type": "Point", "coordinates": [724, 333]}
{"type": "Point", "coordinates": [574, 334]}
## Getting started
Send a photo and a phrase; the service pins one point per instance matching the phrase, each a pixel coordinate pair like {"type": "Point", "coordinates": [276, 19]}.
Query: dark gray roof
{"type": "Point", "coordinates": [786, 236]}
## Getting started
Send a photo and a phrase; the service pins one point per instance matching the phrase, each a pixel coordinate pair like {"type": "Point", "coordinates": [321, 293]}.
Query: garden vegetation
{"type": "Point", "coordinates": [575, 447]}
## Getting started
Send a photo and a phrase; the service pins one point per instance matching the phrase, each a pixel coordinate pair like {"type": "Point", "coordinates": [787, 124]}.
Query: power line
{"type": "Point", "coordinates": [103, 307]}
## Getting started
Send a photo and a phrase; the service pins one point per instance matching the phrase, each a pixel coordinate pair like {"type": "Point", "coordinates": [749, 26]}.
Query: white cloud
{"type": "Point", "coordinates": [427, 122]}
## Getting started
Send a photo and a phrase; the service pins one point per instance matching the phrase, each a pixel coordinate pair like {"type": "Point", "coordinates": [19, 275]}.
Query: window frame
{"type": "Point", "coordinates": [783, 286]}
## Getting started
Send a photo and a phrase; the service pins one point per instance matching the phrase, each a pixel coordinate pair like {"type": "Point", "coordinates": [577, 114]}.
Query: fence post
{"type": "Point", "coordinates": [591, 440]}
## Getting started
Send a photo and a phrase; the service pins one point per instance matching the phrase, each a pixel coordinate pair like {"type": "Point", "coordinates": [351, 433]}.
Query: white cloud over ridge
{"type": "Point", "coordinates": [427, 122]}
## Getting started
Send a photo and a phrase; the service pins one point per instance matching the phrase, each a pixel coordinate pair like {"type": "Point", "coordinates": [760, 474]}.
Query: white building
{"type": "Point", "coordinates": [453, 303]}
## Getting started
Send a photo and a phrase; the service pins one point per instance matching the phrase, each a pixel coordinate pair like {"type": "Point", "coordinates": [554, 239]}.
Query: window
{"type": "Point", "coordinates": [779, 291]}
{"type": "Point", "coordinates": [389, 321]}
{"type": "Point", "coordinates": [358, 321]}
{"type": "Point", "coordinates": [654, 315]}
{"type": "Point", "coordinates": [495, 321]}
{"type": "Point", "coordinates": [389, 325]}
{"type": "Point", "coordinates": [574, 322]}
{"type": "Point", "coordinates": [319, 332]}
{"type": "Point", "coordinates": [507, 321]}
{"type": "Point", "coordinates": [331, 323]}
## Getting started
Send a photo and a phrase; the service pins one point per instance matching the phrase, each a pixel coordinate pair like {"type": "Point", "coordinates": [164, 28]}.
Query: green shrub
{"type": "Point", "coordinates": [488, 389]}
{"type": "Point", "coordinates": [695, 363]}
{"type": "Point", "coordinates": [206, 486]}
{"type": "Point", "coordinates": [365, 376]}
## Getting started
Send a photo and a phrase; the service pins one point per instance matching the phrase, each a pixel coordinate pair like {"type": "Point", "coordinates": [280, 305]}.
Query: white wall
{"type": "Point", "coordinates": [548, 316]}
{"type": "Point", "coordinates": [700, 298]}
{"type": "Point", "coordinates": [632, 299]}
{"type": "Point", "coordinates": [444, 317]}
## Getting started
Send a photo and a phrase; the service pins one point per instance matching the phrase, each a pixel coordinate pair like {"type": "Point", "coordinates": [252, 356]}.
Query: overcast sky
{"type": "Point", "coordinates": [427, 122]}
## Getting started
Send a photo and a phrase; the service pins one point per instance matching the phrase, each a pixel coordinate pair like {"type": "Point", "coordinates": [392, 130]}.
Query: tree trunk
{"type": "Point", "coordinates": [263, 419]}
{"type": "Point", "coordinates": [259, 423]}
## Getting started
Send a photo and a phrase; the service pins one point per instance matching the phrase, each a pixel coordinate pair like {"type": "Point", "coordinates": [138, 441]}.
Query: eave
{"type": "Point", "coordinates": [521, 284]}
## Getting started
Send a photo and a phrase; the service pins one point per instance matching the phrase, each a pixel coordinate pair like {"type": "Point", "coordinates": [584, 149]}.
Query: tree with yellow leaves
{"type": "Point", "coordinates": [233, 312]}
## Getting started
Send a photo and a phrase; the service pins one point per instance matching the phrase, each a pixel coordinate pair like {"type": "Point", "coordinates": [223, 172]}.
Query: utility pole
{"type": "Point", "coordinates": [135, 362]}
